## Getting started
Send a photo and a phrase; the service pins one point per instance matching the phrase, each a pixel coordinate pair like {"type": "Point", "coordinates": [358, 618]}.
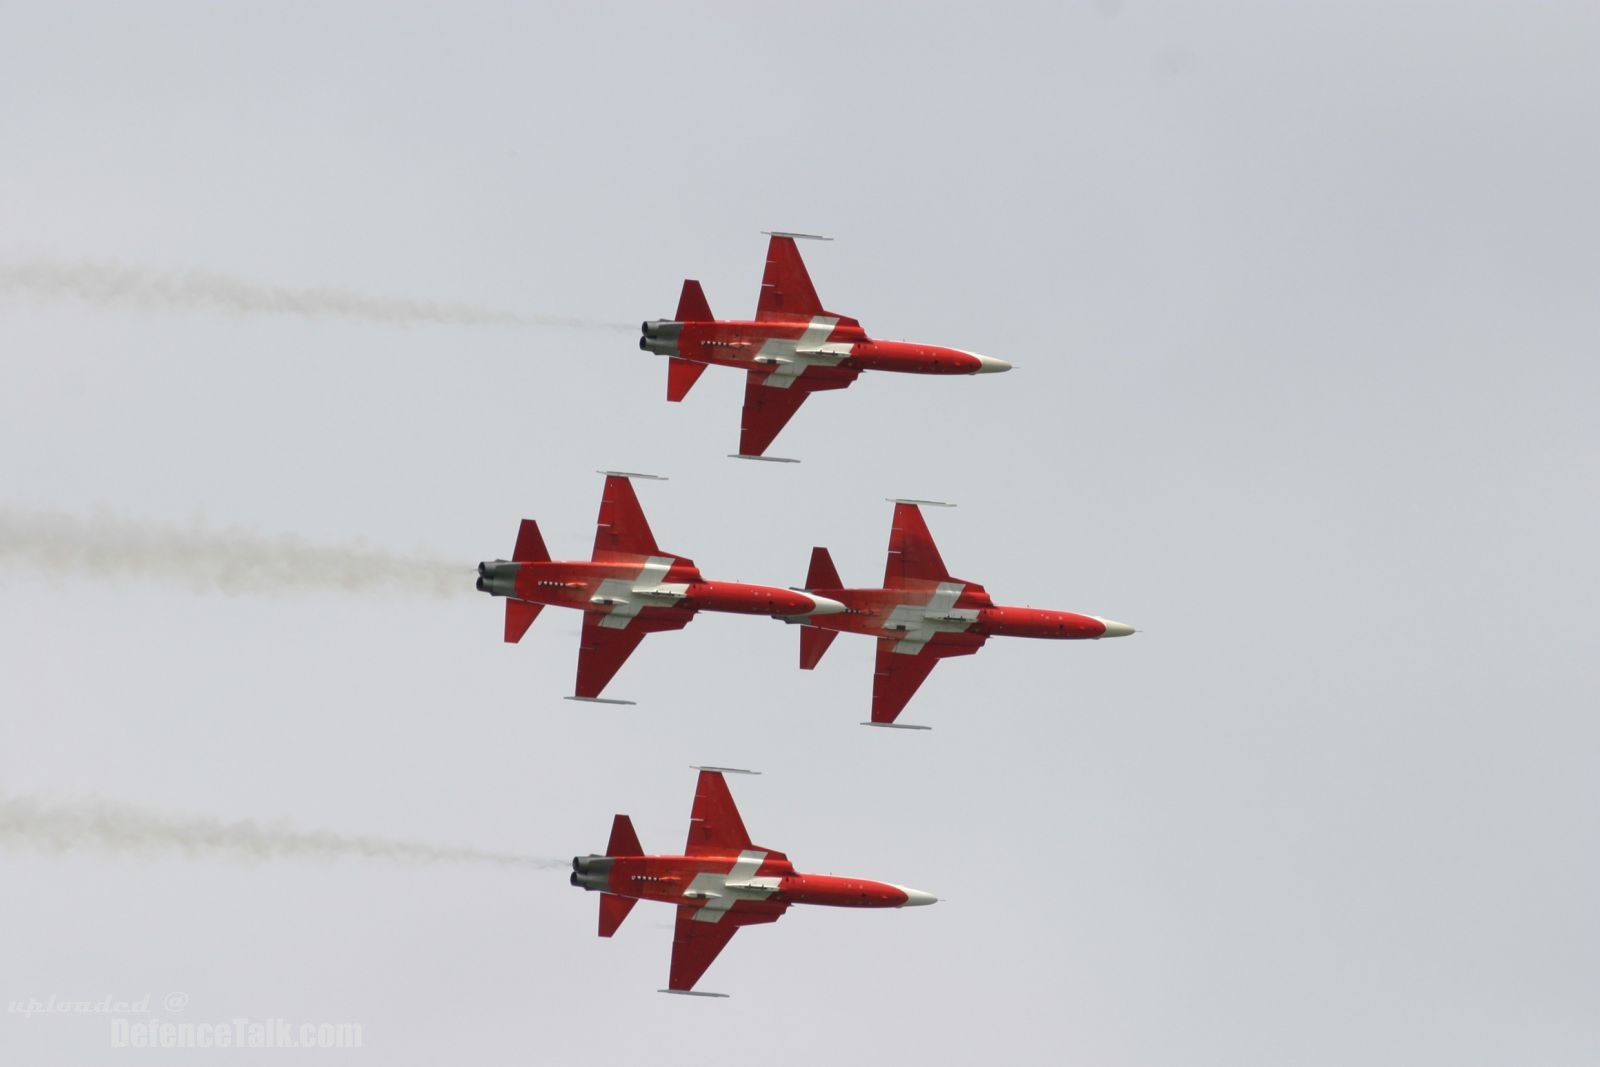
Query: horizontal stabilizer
{"type": "Point", "coordinates": [814, 641]}
{"type": "Point", "coordinates": [624, 842]}
{"type": "Point", "coordinates": [681, 376]}
{"type": "Point", "coordinates": [692, 305]}
{"type": "Point", "coordinates": [802, 236]}
{"type": "Point", "coordinates": [693, 993]}
{"type": "Point", "coordinates": [724, 770]}
{"type": "Point", "coordinates": [519, 616]}
{"type": "Point", "coordinates": [530, 544]}
{"type": "Point", "coordinates": [822, 573]}
{"type": "Point", "coordinates": [613, 909]}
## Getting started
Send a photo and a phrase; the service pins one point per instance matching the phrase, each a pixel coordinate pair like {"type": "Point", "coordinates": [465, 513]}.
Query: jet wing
{"type": "Point", "coordinates": [605, 648]}
{"type": "Point", "coordinates": [772, 396]}
{"type": "Point", "coordinates": [715, 827]}
{"type": "Point", "coordinates": [900, 674]}
{"type": "Point", "coordinates": [787, 294]}
{"type": "Point", "coordinates": [621, 531]}
{"type": "Point", "coordinates": [696, 942]}
{"type": "Point", "coordinates": [913, 557]}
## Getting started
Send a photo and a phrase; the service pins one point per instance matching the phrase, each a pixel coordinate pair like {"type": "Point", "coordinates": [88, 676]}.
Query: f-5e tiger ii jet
{"type": "Point", "coordinates": [791, 349]}
{"type": "Point", "coordinates": [629, 588]}
{"type": "Point", "coordinates": [923, 615]}
{"type": "Point", "coordinates": [720, 883]}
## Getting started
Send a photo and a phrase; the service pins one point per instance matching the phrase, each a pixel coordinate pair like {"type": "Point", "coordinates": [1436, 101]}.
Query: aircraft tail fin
{"type": "Point", "coordinates": [681, 376]}
{"type": "Point", "coordinates": [822, 574]}
{"type": "Point", "coordinates": [530, 544]}
{"type": "Point", "coordinates": [519, 616]}
{"type": "Point", "coordinates": [814, 641]}
{"type": "Point", "coordinates": [624, 842]}
{"type": "Point", "coordinates": [692, 305]}
{"type": "Point", "coordinates": [613, 909]}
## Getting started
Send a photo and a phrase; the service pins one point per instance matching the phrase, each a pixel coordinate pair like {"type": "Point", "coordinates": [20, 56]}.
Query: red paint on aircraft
{"type": "Point", "coordinates": [792, 348]}
{"type": "Point", "coordinates": [721, 882]}
{"type": "Point", "coordinates": [923, 614]}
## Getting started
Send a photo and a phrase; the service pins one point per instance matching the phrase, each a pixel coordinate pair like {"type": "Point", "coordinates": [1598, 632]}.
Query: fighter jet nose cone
{"type": "Point", "coordinates": [990, 365]}
{"type": "Point", "coordinates": [916, 897]}
{"type": "Point", "coordinates": [1114, 628]}
{"type": "Point", "coordinates": [824, 606]}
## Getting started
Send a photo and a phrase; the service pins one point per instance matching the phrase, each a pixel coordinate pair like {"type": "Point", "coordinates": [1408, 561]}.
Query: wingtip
{"type": "Point", "coordinates": [634, 474]}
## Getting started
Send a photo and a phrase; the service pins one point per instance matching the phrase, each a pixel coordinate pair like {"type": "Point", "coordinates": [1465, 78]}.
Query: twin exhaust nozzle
{"type": "Point", "coordinates": [660, 336]}
{"type": "Point", "coordinates": [498, 578]}
{"type": "Point", "coordinates": [591, 872]}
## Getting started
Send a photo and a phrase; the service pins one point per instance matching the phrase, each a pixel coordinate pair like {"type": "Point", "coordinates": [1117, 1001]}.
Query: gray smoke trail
{"type": "Point", "coordinates": [112, 284]}
{"type": "Point", "coordinates": [229, 560]}
{"type": "Point", "coordinates": [100, 826]}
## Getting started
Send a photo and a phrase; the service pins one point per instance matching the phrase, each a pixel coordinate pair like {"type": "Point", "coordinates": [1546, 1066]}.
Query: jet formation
{"type": "Point", "coordinates": [720, 883]}
{"type": "Point", "coordinates": [630, 588]}
{"type": "Point", "coordinates": [792, 348]}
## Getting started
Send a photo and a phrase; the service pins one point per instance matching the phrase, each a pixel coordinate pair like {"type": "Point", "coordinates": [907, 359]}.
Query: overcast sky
{"type": "Point", "coordinates": [1303, 302]}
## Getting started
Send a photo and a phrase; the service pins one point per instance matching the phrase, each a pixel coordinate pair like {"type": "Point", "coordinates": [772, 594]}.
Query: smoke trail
{"type": "Point", "coordinates": [114, 285]}
{"type": "Point", "coordinates": [100, 826]}
{"type": "Point", "coordinates": [229, 560]}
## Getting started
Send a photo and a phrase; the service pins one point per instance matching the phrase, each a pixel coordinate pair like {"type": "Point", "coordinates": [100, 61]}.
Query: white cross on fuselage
{"type": "Point", "coordinates": [794, 354]}
{"type": "Point", "coordinates": [915, 624]}
{"type": "Point", "coordinates": [628, 596]}
{"type": "Point", "coordinates": [721, 891]}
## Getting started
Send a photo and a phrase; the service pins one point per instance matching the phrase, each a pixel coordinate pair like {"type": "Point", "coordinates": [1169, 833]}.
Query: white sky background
{"type": "Point", "coordinates": [1304, 309]}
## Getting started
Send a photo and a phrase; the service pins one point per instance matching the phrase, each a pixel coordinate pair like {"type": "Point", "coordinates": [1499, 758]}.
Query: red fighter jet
{"type": "Point", "coordinates": [793, 348]}
{"type": "Point", "coordinates": [720, 883]}
{"type": "Point", "coordinates": [629, 589]}
{"type": "Point", "coordinates": [922, 615]}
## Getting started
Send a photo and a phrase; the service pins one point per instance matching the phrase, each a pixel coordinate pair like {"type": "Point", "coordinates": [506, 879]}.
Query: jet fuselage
{"type": "Point", "coordinates": [650, 583]}
{"type": "Point", "coordinates": [825, 342]}
{"type": "Point", "coordinates": [953, 607]}
{"type": "Point", "coordinates": [751, 877]}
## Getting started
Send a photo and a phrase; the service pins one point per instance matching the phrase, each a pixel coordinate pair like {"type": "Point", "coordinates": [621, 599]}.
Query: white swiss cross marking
{"type": "Point", "coordinates": [916, 624]}
{"type": "Point", "coordinates": [721, 891]}
{"type": "Point", "coordinates": [628, 597]}
{"type": "Point", "coordinates": [794, 355]}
